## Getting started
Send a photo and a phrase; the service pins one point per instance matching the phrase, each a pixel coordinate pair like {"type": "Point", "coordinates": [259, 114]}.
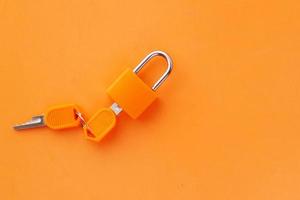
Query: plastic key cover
{"type": "Point", "coordinates": [62, 116]}
{"type": "Point", "coordinates": [100, 124]}
{"type": "Point", "coordinates": [131, 93]}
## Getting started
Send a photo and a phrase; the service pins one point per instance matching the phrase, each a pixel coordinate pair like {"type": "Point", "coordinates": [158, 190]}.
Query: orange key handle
{"type": "Point", "coordinates": [62, 116]}
{"type": "Point", "coordinates": [100, 124]}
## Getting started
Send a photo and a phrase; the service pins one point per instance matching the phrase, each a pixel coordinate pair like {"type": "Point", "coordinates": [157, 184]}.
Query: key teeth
{"type": "Point", "coordinates": [36, 121]}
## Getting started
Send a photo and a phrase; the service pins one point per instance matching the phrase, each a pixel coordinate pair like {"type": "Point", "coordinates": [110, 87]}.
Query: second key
{"type": "Point", "coordinates": [56, 117]}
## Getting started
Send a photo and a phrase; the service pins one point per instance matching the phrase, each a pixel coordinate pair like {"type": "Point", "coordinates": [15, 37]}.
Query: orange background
{"type": "Point", "coordinates": [226, 126]}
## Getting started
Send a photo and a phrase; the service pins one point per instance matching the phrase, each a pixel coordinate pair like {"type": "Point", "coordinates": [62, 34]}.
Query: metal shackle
{"type": "Point", "coordinates": [158, 83]}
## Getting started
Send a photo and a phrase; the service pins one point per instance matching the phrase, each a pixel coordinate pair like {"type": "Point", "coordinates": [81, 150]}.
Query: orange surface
{"type": "Point", "coordinates": [226, 125]}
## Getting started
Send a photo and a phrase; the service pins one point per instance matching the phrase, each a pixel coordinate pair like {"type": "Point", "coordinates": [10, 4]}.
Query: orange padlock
{"type": "Point", "coordinates": [130, 94]}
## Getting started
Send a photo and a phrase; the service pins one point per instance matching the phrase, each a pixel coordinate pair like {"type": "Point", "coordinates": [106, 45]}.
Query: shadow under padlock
{"type": "Point", "coordinates": [130, 93]}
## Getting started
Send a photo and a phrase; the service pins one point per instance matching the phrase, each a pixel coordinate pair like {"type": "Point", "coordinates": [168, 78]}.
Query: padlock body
{"type": "Point", "coordinates": [131, 93]}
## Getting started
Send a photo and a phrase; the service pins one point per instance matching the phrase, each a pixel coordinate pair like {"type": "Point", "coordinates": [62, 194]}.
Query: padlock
{"type": "Point", "coordinates": [130, 93]}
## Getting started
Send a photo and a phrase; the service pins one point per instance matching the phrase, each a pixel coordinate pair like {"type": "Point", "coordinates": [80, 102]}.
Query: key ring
{"type": "Point", "coordinates": [81, 119]}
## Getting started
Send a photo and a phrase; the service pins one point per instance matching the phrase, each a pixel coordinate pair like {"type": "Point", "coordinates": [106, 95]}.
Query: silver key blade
{"type": "Point", "coordinates": [36, 121]}
{"type": "Point", "coordinates": [116, 108]}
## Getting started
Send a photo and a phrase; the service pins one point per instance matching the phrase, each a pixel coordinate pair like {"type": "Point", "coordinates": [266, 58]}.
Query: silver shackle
{"type": "Point", "coordinates": [158, 83]}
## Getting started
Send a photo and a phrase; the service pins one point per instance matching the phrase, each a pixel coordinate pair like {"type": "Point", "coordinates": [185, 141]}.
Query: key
{"type": "Point", "coordinates": [130, 94]}
{"type": "Point", "coordinates": [56, 117]}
